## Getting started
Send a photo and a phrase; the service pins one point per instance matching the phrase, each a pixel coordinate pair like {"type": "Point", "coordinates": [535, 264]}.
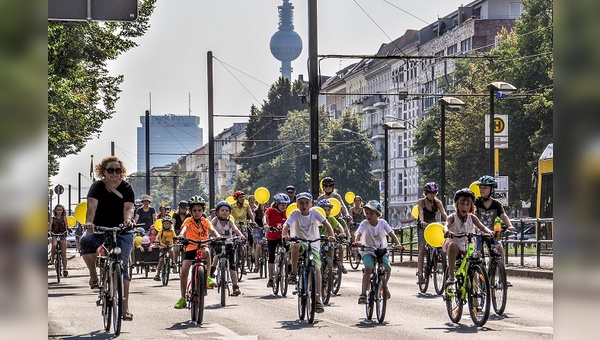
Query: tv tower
{"type": "Point", "coordinates": [286, 44]}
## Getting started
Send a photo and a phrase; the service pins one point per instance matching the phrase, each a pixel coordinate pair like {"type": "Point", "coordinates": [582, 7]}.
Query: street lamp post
{"type": "Point", "coordinates": [386, 127]}
{"type": "Point", "coordinates": [497, 86]}
{"type": "Point", "coordinates": [449, 102]}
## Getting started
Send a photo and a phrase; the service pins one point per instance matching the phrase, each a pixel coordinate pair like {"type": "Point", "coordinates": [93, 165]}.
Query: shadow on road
{"type": "Point", "coordinates": [92, 335]}
{"type": "Point", "coordinates": [462, 329]}
{"type": "Point", "coordinates": [364, 323]}
{"type": "Point", "coordinates": [297, 324]}
{"type": "Point", "coordinates": [427, 296]}
{"type": "Point", "coordinates": [184, 325]}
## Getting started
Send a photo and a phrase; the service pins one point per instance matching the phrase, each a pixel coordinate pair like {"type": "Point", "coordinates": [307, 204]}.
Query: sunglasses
{"type": "Point", "coordinates": [113, 170]}
{"type": "Point", "coordinates": [327, 186]}
{"type": "Point", "coordinates": [290, 192]}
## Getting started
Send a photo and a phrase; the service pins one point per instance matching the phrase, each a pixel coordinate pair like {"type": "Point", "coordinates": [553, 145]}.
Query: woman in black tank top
{"type": "Point", "coordinates": [429, 206]}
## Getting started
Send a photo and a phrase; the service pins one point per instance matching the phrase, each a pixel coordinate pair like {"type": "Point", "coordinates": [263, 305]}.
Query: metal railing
{"type": "Point", "coordinates": [541, 239]}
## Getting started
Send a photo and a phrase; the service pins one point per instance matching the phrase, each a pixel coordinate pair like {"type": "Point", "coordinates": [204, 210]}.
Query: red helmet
{"type": "Point", "coordinates": [238, 194]}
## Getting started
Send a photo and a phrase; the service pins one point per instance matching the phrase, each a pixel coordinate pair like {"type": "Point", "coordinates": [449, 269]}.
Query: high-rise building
{"type": "Point", "coordinates": [171, 136]}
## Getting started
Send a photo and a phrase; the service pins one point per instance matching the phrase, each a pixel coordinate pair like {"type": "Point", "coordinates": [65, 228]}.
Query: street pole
{"type": "Point", "coordinates": [147, 120]}
{"type": "Point", "coordinates": [386, 133]}
{"type": "Point", "coordinates": [313, 88]}
{"type": "Point", "coordinates": [211, 130]}
{"type": "Point", "coordinates": [443, 154]}
{"type": "Point", "coordinates": [491, 127]}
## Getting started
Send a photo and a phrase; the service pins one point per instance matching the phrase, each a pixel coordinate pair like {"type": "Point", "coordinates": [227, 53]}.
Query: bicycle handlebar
{"type": "Point", "coordinates": [120, 228]}
{"type": "Point", "coordinates": [299, 239]}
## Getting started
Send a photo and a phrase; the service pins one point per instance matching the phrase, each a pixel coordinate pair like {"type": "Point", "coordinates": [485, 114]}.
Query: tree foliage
{"type": "Point", "coordinates": [81, 93]}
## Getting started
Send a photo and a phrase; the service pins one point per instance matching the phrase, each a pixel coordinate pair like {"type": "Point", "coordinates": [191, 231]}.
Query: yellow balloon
{"type": "Point", "coordinates": [321, 185]}
{"type": "Point", "coordinates": [171, 213]}
{"type": "Point", "coordinates": [320, 210]}
{"type": "Point", "coordinates": [231, 218]}
{"type": "Point", "coordinates": [434, 234]}
{"type": "Point", "coordinates": [475, 189]}
{"type": "Point", "coordinates": [158, 224]}
{"type": "Point", "coordinates": [290, 209]}
{"type": "Point", "coordinates": [349, 197]}
{"type": "Point", "coordinates": [262, 195]}
{"type": "Point", "coordinates": [230, 200]}
{"type": "Point", "coordinates": [337, 206]}
{"type": "Point", "coordinates": [71, 221]}
{"type": "Point", "coordinates": [415, 211]}
{"type": "Point", "coordinates": [80, 212]}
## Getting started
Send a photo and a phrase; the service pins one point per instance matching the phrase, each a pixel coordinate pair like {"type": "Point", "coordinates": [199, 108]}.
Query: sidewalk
{"type": "Point", "coordinates": [513, 267]}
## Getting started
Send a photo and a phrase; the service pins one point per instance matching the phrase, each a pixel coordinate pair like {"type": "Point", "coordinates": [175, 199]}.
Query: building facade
{"type": "Point", "coordinates": [404, 89]}
{"type": "Point", "coordinates": [171, 136]}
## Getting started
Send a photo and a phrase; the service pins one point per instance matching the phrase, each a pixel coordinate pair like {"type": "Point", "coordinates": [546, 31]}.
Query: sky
{"type": "Point", "coordinates": [169, 66]}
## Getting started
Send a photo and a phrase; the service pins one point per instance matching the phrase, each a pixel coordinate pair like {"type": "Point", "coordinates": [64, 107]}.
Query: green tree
{"type": "Point", "coordinates": [81, 93]}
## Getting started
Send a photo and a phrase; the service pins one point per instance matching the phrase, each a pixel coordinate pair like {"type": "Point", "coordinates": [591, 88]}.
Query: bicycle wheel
{"type": "Point", "coordinates": [105, 290]}
{"type": "Point", "coordinates": [370, 299]}
{"type": "Point", "coordinates": [276, 273]}
{"type": "Point", "coordinates": [200, 293]}
{"type": "Point", "coordinates": [352, 258]}
{"type": "Point", "coordinates": [223, 268]}
{"type": "Point", "coordinates": [249, 259]}
{"type": "Point", "coordinates": [117, 297]}
{"type": "Point", "coordinates": [478, 295]}
{"type": "Point", "coordinates": [301, 297]}
{"type": "Point", "coordinates": [498, 287]}
{"type": "Point", "coordinates": [179, 260]}
{"type": "Point", "coordinates": [193, 292]}
{"type": "Point", "coordinates": [239, 262]}
{"type": "Point", "coordinates": [283, 276]}
{"type": "Point", "coordinates": [439, 269]}
{"type": "Point", "coordinates": [381, 302]}
{"type": "Point", "coordinates": [57, 260]}
{"type": "Point", "coordinates": [426, 271]}
{"type": "Point", "coordinates": [311, 293]}
{"type": "Point", "coordinates": [327, 280]}
{"type": "Point", "coordinates": [453, 300]}
{"type": "Point", "coordinates": [265, 261]}
{"type": "Point", "coordinates": [166, 270]}
{"type": "Point", "coordinates": [337, 277]}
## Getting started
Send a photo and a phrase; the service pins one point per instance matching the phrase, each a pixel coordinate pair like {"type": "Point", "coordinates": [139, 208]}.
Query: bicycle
{"type": "Point", "coordinates": [165, 256]}
{"type": "Point", "coordinates": [223, 275]}
{"type": "Point", "coordinates": [246, 256]}
{"type": "Point", "coordinates": [307, 281]}
{"type": "Point", "coordinates": [435, 265]}
{"type": "Point", "coordinates": [58, 255]}
{"type": "Point", "coordinates": [497, 277]}
{"type": "Point", "coordinates": [196, 288]}
{"type": "Point", "coordinates": [470, 283]}
{"type": "Point", "coordinates": [110, 292]}
{"type": "Point", "coordinates": [281, 270]}
{"type": "Point", "coordinates": [377, 291]}
{"type": "Point", "coordinates": [353, 257]}
{"type": "Point", "coordinates": [179, 259]}
{"type": "Point", "coordinates": [337, 266]}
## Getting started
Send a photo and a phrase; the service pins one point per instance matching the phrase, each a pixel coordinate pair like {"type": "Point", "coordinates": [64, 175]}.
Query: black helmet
{"type": "Point", "coordinates": [487, 181]}
{"type": "Point", "coordinates": [464, 192]}
{"type": "Point", "coordinates": [328, 180]}
{"type": "Point", "coordinates": [183, 204]}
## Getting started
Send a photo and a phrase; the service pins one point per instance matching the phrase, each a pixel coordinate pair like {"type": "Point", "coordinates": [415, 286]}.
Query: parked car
{"type": "Point", "coordinates": [71, 242]}
{"type": "Point", "coordinates": [528, 231]}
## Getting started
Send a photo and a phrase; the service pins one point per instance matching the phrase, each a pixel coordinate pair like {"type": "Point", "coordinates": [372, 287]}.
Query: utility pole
{"type": "Point", "coordinates": [147, 152]}
{"type": "Point", "coordinates": [211, 138]}
{"type": "Point", "coordinates": [313, 88]}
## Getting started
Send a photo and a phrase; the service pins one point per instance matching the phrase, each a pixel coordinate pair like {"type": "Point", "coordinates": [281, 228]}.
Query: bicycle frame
{"type": "Point", "coordinates": [377, 290]}
{"type": "Point", "coordinates": [196, 288]}
{"type": "Point", "coordinates": [306, 280]}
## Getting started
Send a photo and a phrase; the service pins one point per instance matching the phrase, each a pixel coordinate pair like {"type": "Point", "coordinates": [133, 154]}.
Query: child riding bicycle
{"type": "Point", "coordinates": [165, 238]}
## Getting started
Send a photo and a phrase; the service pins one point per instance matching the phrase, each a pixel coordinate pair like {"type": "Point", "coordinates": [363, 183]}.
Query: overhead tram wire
{"type": "Point", "coordinates": [381, 29]}
{"type": "Point", "coordinates": [239, 82]}
{"type": "Point", "coordinates": [405, 11]}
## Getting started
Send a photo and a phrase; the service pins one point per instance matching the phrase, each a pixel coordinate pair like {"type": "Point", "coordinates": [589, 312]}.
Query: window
{"type": "Point", "coordinates": [514, 11]}
{"type": "Point", "coordinates": [400, 183]}
{"type": "Point", "coordinates": [451, 50]}
{"type": "Point", "coordinates": [465, 45]}
{"type": "Point", "coordinates": [400, 146]}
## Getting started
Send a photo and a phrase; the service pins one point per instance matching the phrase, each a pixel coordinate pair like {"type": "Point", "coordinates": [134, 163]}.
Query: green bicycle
{"type": "Point", "coordinates": [471, 284]}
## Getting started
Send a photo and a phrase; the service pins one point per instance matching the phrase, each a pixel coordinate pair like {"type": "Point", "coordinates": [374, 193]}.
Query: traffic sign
{"type": "Point", "coordinates": [500, 126]}
{"type": "Point", "coordinates": [59, 189]}
{"type": "Point", "coordinates": [99, 10]}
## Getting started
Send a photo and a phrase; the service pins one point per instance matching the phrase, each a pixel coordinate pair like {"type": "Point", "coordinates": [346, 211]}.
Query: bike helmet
{"type": "Point", "coordinates": [304, 195]}
{"type": "Point", "coordinates": [487, 181]}
{"type": "Point", "coordinates": [140, 230]}
{"type": "Point", "coordinates": [196, 200]}
{"type": "Point", "coordinates": [325, 203]}
{"type": "Point", "coordinates": [238, 194]}
{"type": "Point", "coordinates": [182, 204]}
{"type": "Point", "coordinates": [223, 204]}
{"type": "Point", "coordinates": [374, 206]}
{"type": "Point", "coordinates": [328, 180]}
{"type": "Point", "coordinates": [167, 219]}
{"type": "Point", "coordinates": [138, 202]}
{"type": "Point", "coordinates": [464, 192]}
{"type": "Point", "coordinates": [430, 187]}
{"type": "Point", "coordinates": [281, 198]}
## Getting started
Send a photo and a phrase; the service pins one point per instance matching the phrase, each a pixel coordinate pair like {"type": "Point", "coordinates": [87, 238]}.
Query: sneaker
{"type": "Point", "coordinates": [65, 273]}
{"type": "Point", "coordinates": [270, 283]}
{"type": "Point", "coordinates": [174, 269]}
{"type": "Point", "coordinates": [292, 279]}
{"type": "Point", "coordinates": [157, 278]}
{"type": "Point", "coordinates": [180, 303]}
{"type": "Point", "coordinates": [388, 295]}
{"type": "Point", "coordinates": [508, 284]}
{"type": "Point", "coordinates": [256, 268]}
{"type": "Point", "coordinates": [319, 307]}
{"type": "Point", "coordinates": [344, 270]}
{"type": "Point", "coordinates": [210, 282]}
{"type": "Point", "coordinates": [362, 299]}
{"type": "Point", "coordinates": [236, 290]}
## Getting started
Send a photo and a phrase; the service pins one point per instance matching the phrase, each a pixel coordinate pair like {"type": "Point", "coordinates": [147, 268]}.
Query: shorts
{"type": "Point", "coordinates": [190, 254]}
{"type": "Point", "coordinates": [420, 234]}
{"type": "Point", "coordinates": [257, 235]}
{"type": "Point", "coordinates": [315, 252]}
{"type": "Point", "coordinates": [61, 237]}
{"type": "Point", "coordinates": [89, 245]}
{"type": "Point", "coordinates": [369, 261]}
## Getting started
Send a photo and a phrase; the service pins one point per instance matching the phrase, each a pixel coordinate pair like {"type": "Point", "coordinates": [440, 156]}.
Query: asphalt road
{"type": "Point", "coordinates": [258, 314]}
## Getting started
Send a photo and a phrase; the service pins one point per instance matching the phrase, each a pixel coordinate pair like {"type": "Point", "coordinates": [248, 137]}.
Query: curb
{"type": "Point", "coordinates": [510, 271]}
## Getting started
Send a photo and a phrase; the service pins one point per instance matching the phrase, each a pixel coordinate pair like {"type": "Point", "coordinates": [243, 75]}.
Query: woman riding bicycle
{"type": "Point", "coordinates": [195, 228]}
{"type": "Point", "coordinates": [373, 232]}
{"type": "Point", "coordinates": [225, 226]}
{"type": "Point", "coordinates": [274, 219]}
{"type": "Point", "coordinates": [58, 225]}
{"type": "Point", "coordinates": [109, 204]}
{"type": "Point", "coordinates": [428, 206]}
{"type": "Point", "coordinates": [462, 221]}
